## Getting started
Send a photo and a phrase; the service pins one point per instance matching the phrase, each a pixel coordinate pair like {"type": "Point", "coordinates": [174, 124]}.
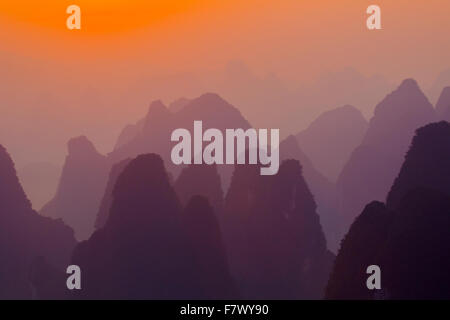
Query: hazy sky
{"type": "Point", "coordinates": [95, 80]}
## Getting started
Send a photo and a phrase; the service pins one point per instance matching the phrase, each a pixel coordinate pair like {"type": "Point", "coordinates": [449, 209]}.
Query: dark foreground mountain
{"type": "Point", "coordinates": [82, 183]}
{"type": "Point", "coordinates": [322, 190]}
{"type": "Point", "coordinates": [373, 166]}
{"type": "Point", "coordinates": [410, 237]}
{"type": "Point", "coordinates": [276, 245]}
{"type": "Point", "coordinates": [26, 237]}
{"type": "Point", "coordinates": [427, 163]}
{"type": "Point", "coordinates": [146, 249]}
{"type": "Point", "coordinates": [330, 139]}
{"type": "Point", "coordinates": [203, 235]}
{"type": "Point", "coordinates": [83, 196]}
{"type": "Point", "coordinates": [105, 205]}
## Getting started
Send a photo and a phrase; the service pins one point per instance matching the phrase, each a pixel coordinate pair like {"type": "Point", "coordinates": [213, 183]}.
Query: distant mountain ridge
{"type": "Point", "coordinates": [81, 185]}
{"type": "Point", "coordinates": [330, 139]}
{"type": "Point", "coordinates": [372, 167]}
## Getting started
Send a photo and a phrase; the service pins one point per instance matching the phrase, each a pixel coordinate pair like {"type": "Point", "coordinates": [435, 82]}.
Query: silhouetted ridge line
{"type": "Point", "coordinates": [26, 237]}
{"type": "Point", "coordinates": [373, 166]}
{"type": "Point", "coordinates": [427, 163]}
{"type": "Point", "coordinates": [203, 234]}
{"type": "Point", "coordinates": [147, 235]}
{"type": "Point", "coordinates": [409, 239]}
{"type": "Point", "coordinates": [81, 185]}
{"type": "Point", "coordinates": [276, 246]}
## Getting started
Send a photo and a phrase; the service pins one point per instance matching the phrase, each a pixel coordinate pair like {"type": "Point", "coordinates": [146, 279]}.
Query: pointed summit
{"type": "Point", "coordinates": [144, 236]}
{"type": "Point", "coordinates": [359, 249]}
{"type": "Point", "coordinates": [426, 163]}
{"type": "Point", "coordinates": [406, 109]}
{"type": "Point", "coordinates": [157, 117]}
{"type": "Point", "coordinates": [322, 189]}
{"type": "Point", "coordinates": [105, 206]}
{"type": "Point", "coordinates": [370, 171]}
{"type": "Point", "coordinates": [25, 236]}
{"type": "Point", "coordinates": [81, 146]}
{"type": "Point", "coordinates": [202, 180]}
{"type": "Point", "coordinates": [156, 106]}
{"type": "Point", "coordinates": [12, 195]}
{"type": "Point", "coordinates": [82, 182]}
{"type": "Point", "coordinates": [142, 188]}
{"type": "Point", "coordinates": [210, 99]}
{"type": "Point", "coordinates": [330, 139]}
{"type": "Point", "coordinates": [210, 108]}
{"type": "Point", "coordinates": [409, 84]}
{"type": "Point", "coordinates": [214, 111]}
{"type": "Point", "coordinates": [179, 104]}
{"type": "Point", "coordinates": [204, 237]}
{"type": "Point", "coordinates": [443, 104]}
{"type": "Point", "coordinates": [277, 213]}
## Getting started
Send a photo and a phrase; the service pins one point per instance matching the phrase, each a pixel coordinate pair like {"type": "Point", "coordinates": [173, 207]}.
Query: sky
{"type": "Point", "coordinates": [57, 83]}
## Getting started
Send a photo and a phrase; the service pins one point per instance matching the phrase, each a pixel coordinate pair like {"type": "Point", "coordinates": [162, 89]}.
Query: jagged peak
{"type": "Point", "coordinates": [443, 103]}
{"type": "Point", "coordinates": [81, 145]}
{"type": "Point", "coordinates": [143, 191]}
{"type": "Point", "coordinates": [208, 100]}
{"type": "Point", "coordinates": [426, 163]}
{"type": "Point", "coordinates": [409, 84]}
{"type": "Point", "coordinates": [179, 104]}
{"type": "Point", "coordinates": [290, 149]}
{"type": "Point", "coordinates": [157, 106]}
{"type": "Point", "coordinates": [406, 105]}
{"type": "Point", "coordinates": [12, 195]}
{"type": "Point", "coordinates": [290, 141]}
{"type": "Point", "coordinates": [157, 112]}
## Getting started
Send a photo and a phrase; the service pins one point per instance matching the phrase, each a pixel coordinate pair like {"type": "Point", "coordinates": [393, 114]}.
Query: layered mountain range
{"type": "Point", "coordinates": [409, 236]}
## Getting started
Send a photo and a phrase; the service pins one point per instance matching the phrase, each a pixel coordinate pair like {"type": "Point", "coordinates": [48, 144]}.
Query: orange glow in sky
{"type": "Point", "coordinates": [99, 16]}
{"type": "Point", "coordinates": [129, 52]}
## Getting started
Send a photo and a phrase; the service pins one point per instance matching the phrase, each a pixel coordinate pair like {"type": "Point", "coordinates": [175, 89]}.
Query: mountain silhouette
{"type": "Point", "coordinates": [360, 248]}
{"type": "Point", "coordinates": [82, 182]}
{"type": "Point", "coordinates": [426, 163]}
{"type": "Point", "coordinates": [81, 189]}
{"type": "Point", "coordinates": [443, 104]}
{"type": "Point", "coordinates": [203, 180]}
{"type": "Point", "coordinates": [204, 236]}
{"type": "Point", "coordinates": [410, 244]}
{"type": "Point", "coordinates": [323, 190]}
{"type": "Point", "coordinates": [210, 108]}
{"type": "Point", "coordinates": [330, 139]}
{"type": "Point", "coordinates": [416, 257]}
{"type": "Point", "coordinates": [105, 205]}
{"type": "Point", "coordinates": [147, 242]}
{"type": "Point", "coordinates": [25, 237]}
{"type": "Point", "coordinates": [178, 104]}
{"type": "Point", "coordinates": [373, 166]}
{"type": "Point", "coordinates": [276, 245]}
{"type": "Point", "coordinates": [409, 238]}
{"type": "Point", "coordinates": [128, 133]}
